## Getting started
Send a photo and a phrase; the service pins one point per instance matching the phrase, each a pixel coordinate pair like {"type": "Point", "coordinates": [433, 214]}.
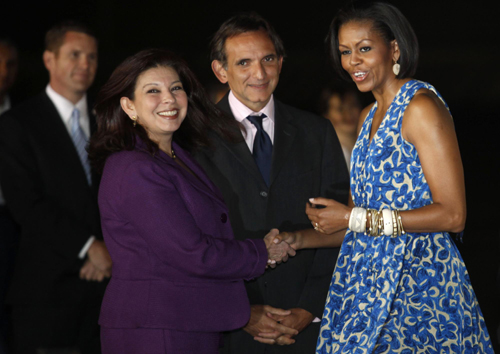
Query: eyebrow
{"type": "Point", "coordinates": [242, 59]}
{"type": "Point", "coordinates": [157, 84]}
{"type": "Point", "coordinates": [265, 56]}
{"type": "Point", "coordinates": [364, 39]}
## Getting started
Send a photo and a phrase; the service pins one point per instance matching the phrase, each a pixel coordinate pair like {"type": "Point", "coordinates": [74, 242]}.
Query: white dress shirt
{"type": "Point", "coordinates": [65, 108]}
{"type": "Point", "coordinates": [5, 106]}
{"type": "Point", "coordinates": [241, 112]}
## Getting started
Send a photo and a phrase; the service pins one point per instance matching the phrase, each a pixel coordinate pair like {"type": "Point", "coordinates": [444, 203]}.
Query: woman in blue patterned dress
{"type": "Point", "coordinates": [400, 285]}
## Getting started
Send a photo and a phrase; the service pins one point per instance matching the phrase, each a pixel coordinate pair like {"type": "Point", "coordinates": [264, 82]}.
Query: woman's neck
{"type": "Point", "coordinates": [385, 95]}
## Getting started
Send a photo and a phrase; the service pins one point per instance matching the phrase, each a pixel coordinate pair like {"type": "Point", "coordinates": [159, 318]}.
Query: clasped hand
{"type": "Point", "coordinates": [98, 264]}
{"type": "Point", "coordinates": [271, 325]}
{"type": "Point", "coordinates": [278, 251]}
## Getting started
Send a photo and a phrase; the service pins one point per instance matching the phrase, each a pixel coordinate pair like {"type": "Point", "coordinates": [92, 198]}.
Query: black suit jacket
{"type": "Point", "coordinates": [46, 190]}
{"type": "Point", "coordinates": [307, 162]}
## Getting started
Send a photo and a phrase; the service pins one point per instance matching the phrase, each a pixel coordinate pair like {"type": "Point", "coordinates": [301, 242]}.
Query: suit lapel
{"type": "Point", "coordinates": [56, 134]}
{"type": "Point", "coordinates": [239, 150]}
{"type": "Point", "coordinates": [284, 135]}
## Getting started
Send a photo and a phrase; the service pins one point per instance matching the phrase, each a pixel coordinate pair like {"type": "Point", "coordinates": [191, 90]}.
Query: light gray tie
{"type": "Point", "coordinates": [80, 142]}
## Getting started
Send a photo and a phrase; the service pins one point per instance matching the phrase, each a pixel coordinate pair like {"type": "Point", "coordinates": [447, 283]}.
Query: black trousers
{"type": "Point", "coordinates": [9, 242]}
{"type": "Point", "coordinates": [53, 327]}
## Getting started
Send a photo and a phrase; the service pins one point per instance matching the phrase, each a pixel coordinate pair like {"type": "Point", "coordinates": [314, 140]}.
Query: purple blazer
{"type": "Point", "coordinates": [176, 264]}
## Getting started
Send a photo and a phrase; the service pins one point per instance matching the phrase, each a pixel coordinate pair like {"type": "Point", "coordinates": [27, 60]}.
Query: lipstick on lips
{"type": "Point", "coordinates": [359, 76]}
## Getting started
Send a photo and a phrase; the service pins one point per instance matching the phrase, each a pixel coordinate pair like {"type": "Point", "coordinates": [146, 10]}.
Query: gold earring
{"type": "Point", "coordinates": [134, 120]}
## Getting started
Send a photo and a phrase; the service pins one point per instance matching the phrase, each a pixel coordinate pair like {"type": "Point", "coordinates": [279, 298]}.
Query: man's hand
{"type": "Point", "coordinates": [91, 273]}
{"type": "Point", "coordinates": [99, 257]}
{"type": "Point", "coordinates": [277, 251]}
{"type": "Point", "coordinates": [298, 320]}
{"type": "Point", "coordinates": [261, 322]}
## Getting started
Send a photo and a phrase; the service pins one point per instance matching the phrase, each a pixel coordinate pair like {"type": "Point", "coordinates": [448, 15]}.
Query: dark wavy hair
{"type": "Point", "coordinates": [238, 24]}
{"type": "Point", "coordinates": [115, 130]}
{"type": "Point", "coordinates": [389, 22]}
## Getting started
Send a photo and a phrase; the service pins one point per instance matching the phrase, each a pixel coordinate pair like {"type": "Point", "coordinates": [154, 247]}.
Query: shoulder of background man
{"type": "Point", "coordinates": [30, 109]}
{"type": "Point", "coordinates": [300, 118]}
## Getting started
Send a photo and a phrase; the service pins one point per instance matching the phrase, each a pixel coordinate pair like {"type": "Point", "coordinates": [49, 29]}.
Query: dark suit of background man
{"type": "Point", "coordinates": [307, 161]}
{"type": "Point", "coordinates": [9, 233]}
{"type": "Point", "coordinates": [51, 192]}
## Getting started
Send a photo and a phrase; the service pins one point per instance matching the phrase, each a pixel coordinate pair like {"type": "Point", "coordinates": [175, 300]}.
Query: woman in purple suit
{"type": "Point", "coordinates": [177, 270]}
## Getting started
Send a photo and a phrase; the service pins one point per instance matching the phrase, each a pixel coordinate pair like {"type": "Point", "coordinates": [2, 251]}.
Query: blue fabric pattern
{"type": "Point", "coordinates": [407, 294]}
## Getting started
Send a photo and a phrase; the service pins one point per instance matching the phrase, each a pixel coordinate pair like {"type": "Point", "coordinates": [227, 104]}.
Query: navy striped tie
{"type": "Point", "coordinates": [262, 148]}
{"type": "Point", "coordinates": [80, 142]}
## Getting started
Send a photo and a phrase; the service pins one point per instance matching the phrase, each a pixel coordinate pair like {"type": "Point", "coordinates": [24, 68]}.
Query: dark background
{"type": "Point", "coordinates": [459, 44]}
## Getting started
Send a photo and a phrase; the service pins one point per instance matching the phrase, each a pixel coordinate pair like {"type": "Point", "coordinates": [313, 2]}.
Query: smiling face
{"type": "Point", "coordinates": [73, 66]}
{"type": "Point", "coordinates": [366, 56]}
{"type": "Point", "coordinates": [252, 69]}
{"type": "Point", "coordinates": [160, 103]}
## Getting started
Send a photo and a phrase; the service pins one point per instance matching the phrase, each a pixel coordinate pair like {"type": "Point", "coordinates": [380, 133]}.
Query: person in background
{"type": "Point", "coordinates": [9, 230]}
{"type": "Point", "coordinates": [284, 156]}
{"type": "Point", "coordinates": [9, 63]}
{"type": "Point", "coordinates": [57, 286]}
{"type": "Point", "coordinates": [341, 105]}
{"type": "Point", "coordinates": [177, 269]}
{"type": "Point", "coordinates": [400, 284]}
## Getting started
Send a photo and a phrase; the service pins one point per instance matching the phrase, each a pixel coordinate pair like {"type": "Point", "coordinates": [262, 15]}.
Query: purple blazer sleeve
{"type": "Point", "coordinates": [174, 255]}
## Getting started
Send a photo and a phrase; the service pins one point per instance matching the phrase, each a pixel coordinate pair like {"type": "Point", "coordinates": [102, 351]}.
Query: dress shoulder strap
{"type": "Point", "coordinates": [409, 90]}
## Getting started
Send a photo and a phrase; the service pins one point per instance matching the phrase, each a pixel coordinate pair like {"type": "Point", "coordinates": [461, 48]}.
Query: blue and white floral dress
{"type": "Point", "coordinates": [406, 294]}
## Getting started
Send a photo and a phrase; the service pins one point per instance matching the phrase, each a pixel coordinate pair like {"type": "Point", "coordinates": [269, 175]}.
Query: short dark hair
{"type": "Point", "coordinates": [115, 131]}
{"type": "Point", "coordinates": [336, 88]}
{"type": "Point", "coordinates": [8, 42]}
{"type": "Point", "coordinates": [54, 38]}
{"type": "Point", "coordinates": [389, 22]}
{"type": "Point", "coordinates": [238, 24]}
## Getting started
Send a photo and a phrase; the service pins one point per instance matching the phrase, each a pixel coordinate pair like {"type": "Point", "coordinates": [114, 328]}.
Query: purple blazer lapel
{"type": "Point", "coordinates": [196, 168]}
{"type": "Point", "coordinates": [200, 181]}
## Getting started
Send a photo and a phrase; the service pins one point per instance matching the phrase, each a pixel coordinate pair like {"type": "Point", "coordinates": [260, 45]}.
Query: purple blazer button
{"type": "Point", "coordinates": [223, 218]}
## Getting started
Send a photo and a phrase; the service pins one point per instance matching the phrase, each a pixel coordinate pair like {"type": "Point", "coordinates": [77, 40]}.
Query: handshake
{"type": "Point", "coordinates": [279, 247]}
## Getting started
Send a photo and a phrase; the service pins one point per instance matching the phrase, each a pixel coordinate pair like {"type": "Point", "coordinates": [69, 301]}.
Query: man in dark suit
{"type": "Point", "coordinates": [9, 230]}
{"type": "Point", "coordinates": [286, 156]}
{"type": "Point", "coordinates": [51, 192]}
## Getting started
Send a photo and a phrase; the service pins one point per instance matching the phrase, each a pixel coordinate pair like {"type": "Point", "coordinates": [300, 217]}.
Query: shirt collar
{"type": "Point", "coordinates": [64, 106]}
{"type": "Point", "coordinates": [240, 111]}
{"type": "Point", "coordinates": [5, 106]}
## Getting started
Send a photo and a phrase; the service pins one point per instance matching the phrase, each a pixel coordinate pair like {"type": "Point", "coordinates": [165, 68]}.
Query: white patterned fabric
{"type": "Point", "coordinates": [406, 294]}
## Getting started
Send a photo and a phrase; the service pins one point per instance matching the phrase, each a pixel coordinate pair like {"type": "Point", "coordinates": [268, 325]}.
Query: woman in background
{"type": "Point", "coordinates": [177, 270]}
{"type": "Point", "coordinates": [341, 106]}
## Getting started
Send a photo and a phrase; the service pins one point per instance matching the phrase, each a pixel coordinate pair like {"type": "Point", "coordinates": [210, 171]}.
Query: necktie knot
{"type": "Point", "coordinates": [257, 121]}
